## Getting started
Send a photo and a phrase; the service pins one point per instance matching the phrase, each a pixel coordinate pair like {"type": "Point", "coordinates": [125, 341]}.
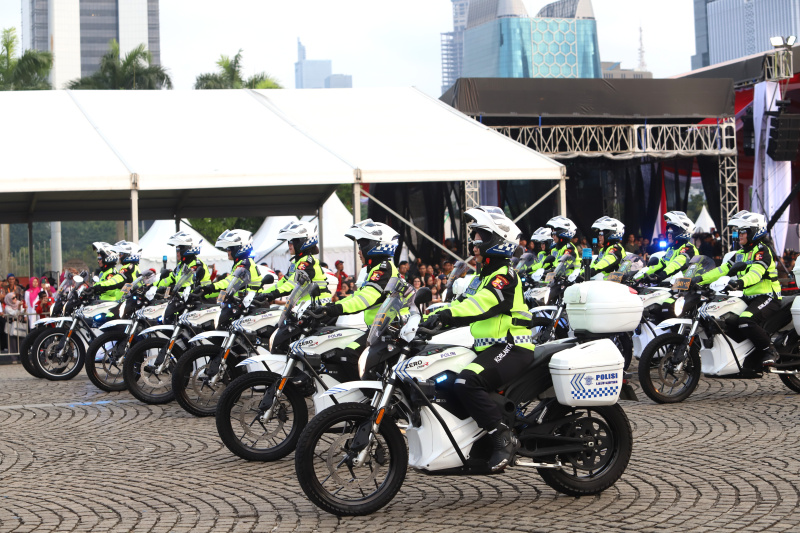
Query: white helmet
{"type": "Point", "coordinates": [375, 239]}
{"type": "Point", "coordinates": [562, 227]}
{"type": "Point", "coordinates": [542, 235]}
{"type": "Point", "coordinates": [130, 251]}
{"type": "Point", "coordinates": [238, 241]}
{"type": "Point", "coordinates": [611, 228]}
{"type": "Point", "coordinates": [105, 254]}
{"type": "Point", "coordinates": [754, 224]}
{"type": "Point", "coordinates": [681, 226]}
{"type": "Point", "coordinates": [302, 235]}
{"type": "Point", "coordinates": [185, 244]}
{"type": "Point", "coordinates": [501, 235]}
{"type": "Point", "coordinates": [102, 247]}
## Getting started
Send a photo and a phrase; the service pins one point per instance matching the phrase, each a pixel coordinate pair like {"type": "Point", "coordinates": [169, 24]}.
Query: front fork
{"type": "Point", "coordinates": [226, 346]}
{"type": "Point", "coordinates": [362, 441]}
{"type": "Point", "coordinates": [269, 401]}
{"type": "Point", "coordinates": [679, 357]}
{"type": "Point", "coordinates": [62, 344]}
{"type": "Point", "coordinates": [168, 351]}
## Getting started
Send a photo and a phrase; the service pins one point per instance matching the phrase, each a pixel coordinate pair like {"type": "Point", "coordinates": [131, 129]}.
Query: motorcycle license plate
{"type": "Point", "coordinates": [616, 277]}
{"type": "Point", "coordinates": [549, 277]}
{"type": "Point", "coordinates": [682, 284]}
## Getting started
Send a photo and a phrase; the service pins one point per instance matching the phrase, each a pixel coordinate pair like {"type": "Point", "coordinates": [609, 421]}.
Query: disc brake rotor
{"type": "Point", "coordinates": [201, 384]}
{"type": "Point", "coordinates": [596, 432]}
{"type": "Point", "coordinates": [334, 457]}
{"type": "Point", "coordinates": [666, 373]}
{"type": "Point", "coordinates": [249, 415]}
{"type": "Point", "coordinates": [51, 355]}
{"type": "Point", "coordinates": [155, 381]}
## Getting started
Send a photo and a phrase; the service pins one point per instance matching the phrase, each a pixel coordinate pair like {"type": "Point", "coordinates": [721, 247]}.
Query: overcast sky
{"type": "Point", "coordinates": [380, 43]}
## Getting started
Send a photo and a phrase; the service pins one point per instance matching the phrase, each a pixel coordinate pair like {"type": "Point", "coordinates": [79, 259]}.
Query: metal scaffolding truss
{"type": "Point", "coordinates": [778, 65]}
{"type": "Point", "coordinates": [728, 194]}
{"type": "Point", "coordinates": [627, 141]}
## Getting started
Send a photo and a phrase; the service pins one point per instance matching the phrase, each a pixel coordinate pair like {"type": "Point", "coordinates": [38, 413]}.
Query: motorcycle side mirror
{"type": "Point", "coordinates": [315, 292]}
{"type": "Point", "coordinates": [95, 279]}
{"type": "Point", "coordinates": [164, 273]}
{"type": "Point", "coordinates": [269, 279]}
{"type": "Point", "coordinates": [424, 296]}
{"type": "Point", "coordinates": [78, 279]}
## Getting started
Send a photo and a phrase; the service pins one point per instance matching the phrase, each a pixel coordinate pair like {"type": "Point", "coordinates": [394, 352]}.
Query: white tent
{"type": "Point", "coordinates": [267, 248]}
{"type": "Point", "coordinates": [161, 154]}
{"type": "Point", "coordinates": [336, 219]}
{"type": "Point", "coordinates": [154, 248]}
{"type": "Point", "coordinates": [704, 222]}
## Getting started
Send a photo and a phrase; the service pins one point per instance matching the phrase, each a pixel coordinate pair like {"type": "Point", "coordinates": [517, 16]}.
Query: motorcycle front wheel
{"type": "Point", "coordinates": [239, 421]}
{"type": "Point", "coordinates": [193, 389]}
{"type": "Point", "coordinates": [326, 471]}
{"type": "Point", "coordinates": [595, 469]}
{"type": "Point", "coordinates": [663, 379]}
{"type": "Point", "coordinates": [791, 380]}
{"type": "Point", "coordinates": [140, 370]}
{"type": "Point", "coordinates": [45, 354]}
{"type": "Point", "coordinates": [104, 363]}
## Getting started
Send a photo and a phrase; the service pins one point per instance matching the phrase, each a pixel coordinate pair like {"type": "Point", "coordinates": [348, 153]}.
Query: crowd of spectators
{"type": "Point", "coordinates": [21, 307]}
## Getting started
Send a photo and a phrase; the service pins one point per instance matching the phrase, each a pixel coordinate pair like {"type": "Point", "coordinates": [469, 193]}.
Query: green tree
{"type": "Point", "coordinates": [229, 76]}
{"type": "Point", "coordinates": [26, 72]}
{"type": "Point", "coordinates": [696, 203]}
{"type": "Point", "coordinates": [134, 71]}
{"type": "Point", "coordinates": [211, 228]}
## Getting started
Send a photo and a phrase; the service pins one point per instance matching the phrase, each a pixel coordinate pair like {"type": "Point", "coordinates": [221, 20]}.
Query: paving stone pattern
{"type": "Point", "coordinates": [73, 458]}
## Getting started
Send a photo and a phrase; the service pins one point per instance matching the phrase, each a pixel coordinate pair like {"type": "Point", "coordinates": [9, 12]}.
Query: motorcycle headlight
{"type": "Point", "coordinates": [679, 306]}
{"type": "Point", "coordinates": [122, 309]}
{"type": "Point", "coordinates": [362, 363]}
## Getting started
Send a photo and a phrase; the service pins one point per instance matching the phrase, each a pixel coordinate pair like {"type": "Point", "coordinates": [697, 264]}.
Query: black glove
{"type": "Point", "coordinates": [260, 297]}
{"type": "Point", "coordinates": [271, 295]}
{"type": "Point", "coordinates": [735, 284]}
{"type": "Point", "coordinates": [660, 276]}
{"type": "Point", "coordinates": [89, 291]}
{"type": "Point", "coordinates": [332, 310]}
{"type": "Point", "coordinates": [696, 280]}
{"type": "Point", "coordinates": [431, 322]}
{"type": "Point", "coordinates": [443, 317]}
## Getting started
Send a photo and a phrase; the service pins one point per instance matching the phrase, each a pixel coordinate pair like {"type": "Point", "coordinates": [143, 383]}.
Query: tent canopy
{"type": "Point", "coordinates": [234, 152]}
{"type": "Point", "coordinates": [155, 248]}
{"type": "Point", "coordinates": [704, 222]}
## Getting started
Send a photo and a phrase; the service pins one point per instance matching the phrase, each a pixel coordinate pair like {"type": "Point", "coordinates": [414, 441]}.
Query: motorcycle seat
{"type": "Point", "coordinates": [544, 352]}
{"type": "Point", "coordinates": [787, 301]}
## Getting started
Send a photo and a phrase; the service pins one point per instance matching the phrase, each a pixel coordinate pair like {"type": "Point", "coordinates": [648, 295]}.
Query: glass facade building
{"type": "Point", "coordinates": [539, 47]}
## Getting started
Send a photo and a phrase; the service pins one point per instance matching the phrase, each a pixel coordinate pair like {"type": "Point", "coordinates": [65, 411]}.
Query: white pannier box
{"type": "Point", "coordinates": [589, 374]}
{"type": "Point", "coordinates": [602, 307]}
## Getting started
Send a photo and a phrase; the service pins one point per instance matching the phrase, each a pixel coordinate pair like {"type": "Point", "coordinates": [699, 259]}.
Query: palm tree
{"type": "Point", "coordinates": [134, 71]}
{"type": "Point", "coordinates": [27, 72]}
{"type": "Point", "coordinates": [229, 76]}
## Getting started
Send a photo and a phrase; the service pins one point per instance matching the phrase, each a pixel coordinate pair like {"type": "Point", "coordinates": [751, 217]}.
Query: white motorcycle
{"type": "Point", "coordinates": [351, 459]}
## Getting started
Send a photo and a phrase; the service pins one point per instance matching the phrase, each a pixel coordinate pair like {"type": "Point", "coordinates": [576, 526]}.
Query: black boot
{"type": "Point", "coordinates": [505, 445]}
{"type": "Point", "coordinates": [770, 356]}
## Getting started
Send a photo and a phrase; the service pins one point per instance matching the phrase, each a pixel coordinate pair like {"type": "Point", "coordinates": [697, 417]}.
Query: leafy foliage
{"type": "Point", "coordinates": [134, 71]}
{"type": "Point", "coordinates": [696, 203]}
{"type": "Point", "coordinates": [24, 73]}
{"type": "Point", "coordinates": [211, 228]}
{"type": "Point", "coordinates": [230, 76]}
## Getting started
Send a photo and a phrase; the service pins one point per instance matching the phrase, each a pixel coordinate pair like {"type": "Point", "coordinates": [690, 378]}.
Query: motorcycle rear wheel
{"type": "Point", "coordinates": [591, 472]}
{"type": "Point", "coordinates": [43, 351]}
{"type": "Point", "coordinates": [25, 354]}
{"type": "Point", "coordinates": [656, 372]}
{"type": "Point", "coordinates": [238, 415]}
{"type": "Point", "coordinates": [323, 462]}
{"type": "Point", "coordinates": [792, 380]}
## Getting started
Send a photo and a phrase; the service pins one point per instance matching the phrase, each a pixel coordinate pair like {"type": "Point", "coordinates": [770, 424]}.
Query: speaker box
{"type": "Point", "coordinates": [784, 137]}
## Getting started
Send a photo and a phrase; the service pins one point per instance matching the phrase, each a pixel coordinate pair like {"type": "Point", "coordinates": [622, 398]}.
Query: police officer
{"type": "Point", "coordinates": [544, 243]}
{"type": "Point", "coordinates": [302, 239]}
{"type": "Point", "coordinates": [611, 252]}
{"type": "Point", "coordinates": [377, 243]}
{"type": "Point", "coordinates": [758, 280]}
{"type": "Point", "coordinates": [562, 231]}
{"type": "Point", "coordinates": [109, 287]}
{"type": "Point", "coordinates": [500, 323]}
{"type": "Point", "coordinates": [186, 255]}
{"type": "Point", "coordinates": [680, 251]}
{"type": "Point", "coordinates": [129, 259]}
{"type": "Point", "coordinates": [239, 245]}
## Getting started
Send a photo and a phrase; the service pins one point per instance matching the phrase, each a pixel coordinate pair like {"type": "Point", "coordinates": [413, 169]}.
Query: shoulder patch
{"type": "Point", "coordinates": [304, 265]}
{"type": "Point", "coordinates": [376, 275]}
{"type": "Point", "coordinates": [500, 282]}
{"type": "Point", "coordinates": [759, 256]}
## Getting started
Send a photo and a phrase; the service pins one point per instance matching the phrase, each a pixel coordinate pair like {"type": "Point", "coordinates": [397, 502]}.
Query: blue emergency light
{"type": "Point", "coordinates": [662, 244]}
{"type": "Point", "coordinates": [586, 253]}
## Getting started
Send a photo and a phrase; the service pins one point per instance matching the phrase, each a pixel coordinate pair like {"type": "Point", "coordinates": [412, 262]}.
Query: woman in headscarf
{"type": "Point", "coordinates": [15, 326]}
{"type": "Point", "coordinates": [31, 300]}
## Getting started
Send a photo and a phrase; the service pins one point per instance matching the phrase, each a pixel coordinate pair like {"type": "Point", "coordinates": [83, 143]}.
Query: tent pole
{"type": "Point", "coordinates": [135, 215]}
{"type": "Point", "coordinates": [319, 232]}
{"type": "Point", "coordinates": [30, 249]}
{"type": "Point", "coordinates": [562, 192]}
{"type": "Point", "coordinates": [356, 220]}
{"type": "Point", "coordinates": [55, 247]}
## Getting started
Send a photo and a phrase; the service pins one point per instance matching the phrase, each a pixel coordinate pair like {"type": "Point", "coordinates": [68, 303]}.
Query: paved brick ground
{"type": "Point", "coordinates": [73, 458]}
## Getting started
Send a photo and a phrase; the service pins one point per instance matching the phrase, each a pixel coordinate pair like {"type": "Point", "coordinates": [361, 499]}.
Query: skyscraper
{"type": "Point", "coordinates": [730, 29]}
{"type": "Point", "coordinates": [501, 41]}
{"type": "Point", "coordinates": [316, 73]}
{"type": "Point", "coordinates": [453, 45]}
{"type": "Point", "coordinates": [77, 32]}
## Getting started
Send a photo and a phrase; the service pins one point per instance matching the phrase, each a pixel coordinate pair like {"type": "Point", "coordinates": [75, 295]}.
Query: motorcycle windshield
{"type": "Point", "coordinates": [459, 269]}
{"type": "Point", "coordinates": [526, 261]}
{"type": "Point", "coordinates": [699, 265]}
{"type": "Point", "coordinates": [301, 290]}
{"type": "Point", "coordinates": [565, 263]}
{"type": "Point", "coordinates": [239, 281]}
{"type": "Point", "coordinates": [388, 312]}
{"type": "Point", "coordinates": [184, 277]}
{"type": "Point", "coordinates": [631, 263]}
{"type": "Point", "coordinates": [145, 280]}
